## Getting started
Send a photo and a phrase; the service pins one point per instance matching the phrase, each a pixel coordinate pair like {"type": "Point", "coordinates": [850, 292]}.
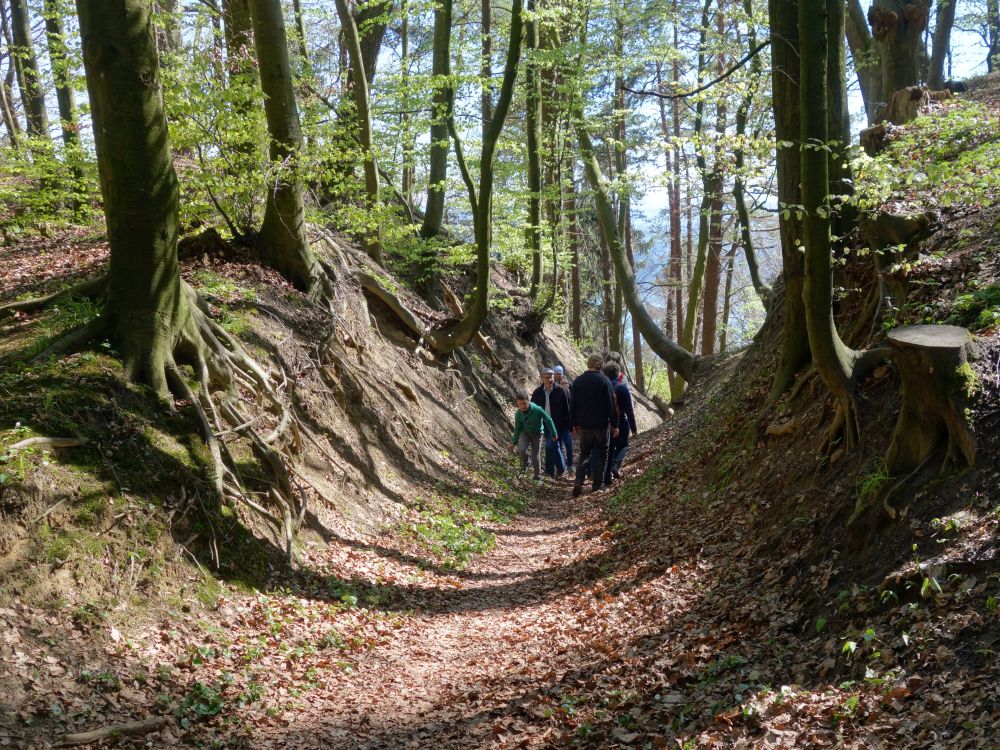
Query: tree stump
{"type": "Point", "coordinates": [937, 383]}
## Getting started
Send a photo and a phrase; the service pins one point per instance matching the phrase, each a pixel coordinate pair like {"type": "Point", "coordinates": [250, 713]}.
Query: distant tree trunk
{"type": "Point", "coordinates": [785, 96]}
{"type": "Point", "coordinates": [10, 120]}
{"type": "Point", "coordinates": [898, 27]}
{"type": "Point", "coordinates": [727, 298]}
{"type": "Point", "coordinates": [238, 34]}
{"type": "Point", "coordinates": [373, 241]}
{"type": "Point", "coordinates": [149, 317]}
{"type": "Point", "coordinates": [993, 35]}
{"type": "Point", "coordinates": [607, 295]}
{"type": "Point", "coordinates": [407, 176]}
{"type": "Point", "coordinates": [485, 68]}
{"type": "Point", "coordinates": [168, 35]}
{"type": "Point", "coordinates": [739, 189]}
{"type": "Point", "coordinates": [942, 43]}
{"type": "Point", "coordinates": [371, 22]}
{"type": "Point", "coordinates": [29, 78]}
{"type": "Point", "coordinates": [300, 33]}
{"type": "Point", "coordinates": [839, 118]}
{"type": "Point", "coordinates": [442, 103]}
{"type": "Point", "coordinates": [574, 244]}
{"type": "Point", "coordinates": [533, 126]}
{"type": "Point", "coordinates": [640, 375]}
{"type": "Point", "coordinates": [867, 60]}
{"type": "Point", "coordinates": [283, 233]}
{"type": "Point", "coordinates": [677, 357]}
{"type": "Point", "coordinates": [61, 75]}
{"type": "Point", "coordinates": [461, 332]}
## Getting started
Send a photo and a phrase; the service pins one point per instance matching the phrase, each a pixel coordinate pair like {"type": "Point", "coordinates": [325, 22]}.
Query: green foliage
{"type": "Point", "coordinates": [953, 157]}
{"type": "Point", "coordinates": [869, 485]}
{"type": "Point", "coordinates": [977, 310]}
{"type": "Point", "coordinates": [43, 188]}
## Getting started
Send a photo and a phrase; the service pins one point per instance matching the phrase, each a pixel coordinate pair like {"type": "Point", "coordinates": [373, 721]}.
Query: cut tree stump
{"type": "Point", "coordinates": [937, 383]}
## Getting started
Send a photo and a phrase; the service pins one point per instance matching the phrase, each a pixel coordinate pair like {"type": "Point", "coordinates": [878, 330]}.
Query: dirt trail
{"type": "Point", "coordinates": [479, 643]}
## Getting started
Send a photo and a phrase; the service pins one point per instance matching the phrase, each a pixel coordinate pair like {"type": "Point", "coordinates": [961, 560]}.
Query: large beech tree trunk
{"type": "Point", "coordinates": [677, 357]}
{"type": "Point", "coordinates": [283, 233]}
{"type": "Point", "coordinates": [898, 27]}
{"type": "Point", "coordinates": [29, 78]}
{"type": "Point", "coordinates": [785, 96]}
{"type": "Point", "coordinates": [148, 316]}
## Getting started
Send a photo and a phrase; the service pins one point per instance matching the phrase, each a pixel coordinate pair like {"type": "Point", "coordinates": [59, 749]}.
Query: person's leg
{"type": "Point", "coordinates": [598, 456]}
{"type": "Point", "coordinates": [581, 465]}
{"type": "Point", "coordinates": [536, 456]}
{"type": "Point", "coordinates": [552, 462]}
{"type": "Point", "coordinates": [619, 455]}
{"type": "Point", "coordinates": [609, 459]}
{"type": "Point", "coordinates": [566, 438]}
{"type": "Point", "coordinates": [522, 448]}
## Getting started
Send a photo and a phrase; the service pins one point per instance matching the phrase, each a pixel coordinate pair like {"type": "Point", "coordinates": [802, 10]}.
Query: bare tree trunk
{"type": "Point", "coordinates": [898, 27]}
{"type": "Point", "coordinates": [485, 69]}
{"type": "Point", "coordinates": [10, 120]}
{"type": "Point", "coordinates": [29, 78]}
{"type": "Point", "coordinates": [61, 75]}
{"type": "Point", "coordinates": [607, 296]}
{"type": "Point", "coordinates": [785, 96]}
{"type": "Point", "coordinates": [300, 33]}
{"type": "Point", "coordinates": [360, 81]}
{"type": "Point", "coordinates": [440, 117]}
{"type": "Point", "coordinates": [283, 233]}
{"type": "Point", "coordinates": [993, 35]}
{"type": "Point", "coordinates": [727, 298]}
{"type": "Point", "coordinates": [942, 42]}
{"type": "Point", "coordinates": [372, 21]}
{"type": "Point", "coordinates": [574, 243]}
{"type": "Point", "coordinates": [533, 126]}
{"type": "Point", "coordinates": [639, 375]}
{"type": "Point", "coordinates": [407, 176]}
{"type": "Point", "coordinates": [867, 59]}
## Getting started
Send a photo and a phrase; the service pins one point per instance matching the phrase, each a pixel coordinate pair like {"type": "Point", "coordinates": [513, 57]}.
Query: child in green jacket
{"type": "Point", "coordinates": [530, 422]}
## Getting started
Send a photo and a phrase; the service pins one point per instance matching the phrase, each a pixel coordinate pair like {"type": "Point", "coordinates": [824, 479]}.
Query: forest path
{"type": "Point", "coordinates": [468, 667]}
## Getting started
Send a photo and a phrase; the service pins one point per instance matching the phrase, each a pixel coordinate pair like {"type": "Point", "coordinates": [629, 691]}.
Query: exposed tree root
{"type": "Point", "coordinates": [90, 289]}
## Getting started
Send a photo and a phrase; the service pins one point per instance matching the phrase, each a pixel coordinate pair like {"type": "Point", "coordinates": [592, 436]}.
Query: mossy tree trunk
{"type": "Point", "coordinates": [147, 315]}
{"type": "Point", "coordinates": [283, 232]}
{"type": "Point", "coordinates": [833, 359]}
{"type": "Point", "coordinates": [61, 75]}
{"type": "Point", "coordinates": [359, 81]}
{"type": "Point", "coordinates": [784, 23]}
{"type": "Point", "coordinates": [866, 56]}
{"type": "Point", "coordinates": [29, 78]}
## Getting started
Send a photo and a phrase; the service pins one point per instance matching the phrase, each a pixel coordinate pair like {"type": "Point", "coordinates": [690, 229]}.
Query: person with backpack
{"type": "Point", "coordinates": [556, 403]}
{"type": "Point", "coordinates": [593, 416]}
{"type": "Point", "coordinates": [625, 423]}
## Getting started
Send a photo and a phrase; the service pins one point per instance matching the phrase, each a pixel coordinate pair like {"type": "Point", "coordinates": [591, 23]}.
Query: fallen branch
{"type": "Point", "coordinates": [117, 730]}
{"type": "Point", "coordinates": [48, 442]}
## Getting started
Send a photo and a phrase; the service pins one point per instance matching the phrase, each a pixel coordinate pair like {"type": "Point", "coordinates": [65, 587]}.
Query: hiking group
{"type": "Point", "coordinates": [594, 411]}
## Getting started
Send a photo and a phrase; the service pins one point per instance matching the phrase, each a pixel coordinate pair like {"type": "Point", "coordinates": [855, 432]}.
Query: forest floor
{"type": "Point", "coordinates": [574, 630]}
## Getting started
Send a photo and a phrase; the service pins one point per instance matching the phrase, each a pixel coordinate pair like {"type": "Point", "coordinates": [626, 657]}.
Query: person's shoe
{"type": "Point", "coordinates": [597, 488]}
{"type": "Point", "coordinates": [577, 490]}
{"type": "Point", "coordinates": [616, 474]}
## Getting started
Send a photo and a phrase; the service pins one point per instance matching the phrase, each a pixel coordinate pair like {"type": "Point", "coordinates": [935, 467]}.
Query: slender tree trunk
{"type": "Point", "coordinates": [640, 375]}
{"type": "Point", "coordinates": [32, 93]}
{"type": "Point", "coordinates": [283, 233]}
{"type": "Point", "coordinates": [61, 75]}
{"type": "Point", "coordinates": [10, 120]}
{"type": "Point", "coordinates": [727, 298]}
{"type": "Point", "coordinates": [371, 23]}
{"type": "Point", "coordinates": [574, 244]}
{"type": "Point", "coordinates": [785, 96]}
{"type": "Point", "coordinates": [168, 34]}
{"type": "Point", "coordinates": [533, 126]}
{"type": "Point", "coordinates": [993, 35]}
{"type": "Point", "coordinates": [607, 296]}
{"type": "Point", "coordinates": [942, 42]}
{"type": "Point", "coordinates": [300, 33]}
{"type": "Point", "coordinates": [713, 272]}
{"type": "Point", "coordinates": [485, 66]}
{"type": "Point", "coordinates": [834, 361]}
{"type": "Point", "coordinates": [677, 357]}
{"type": "Point", "coordinates": [373, 241]}
{"type": "Point", "coordinates": [407, 176]}
{"type": "Point", "coordinates": [867, 59]}
{"type": "Point", "coordinates": [441, 116]}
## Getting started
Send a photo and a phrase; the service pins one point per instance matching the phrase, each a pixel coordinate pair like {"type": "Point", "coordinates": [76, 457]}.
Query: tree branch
{"type": "Point", "coordinates": [749, 56]}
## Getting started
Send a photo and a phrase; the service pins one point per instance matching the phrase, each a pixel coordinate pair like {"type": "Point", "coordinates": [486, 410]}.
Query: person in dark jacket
{"type": "Point", "coordinates": [565, 435]}
{"type": "Point", "coordinates": [625, 423]}
{"type": "Point", "coordinates": [556, 403]}
{"type": "Point", "coordinates": [593, 415]}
